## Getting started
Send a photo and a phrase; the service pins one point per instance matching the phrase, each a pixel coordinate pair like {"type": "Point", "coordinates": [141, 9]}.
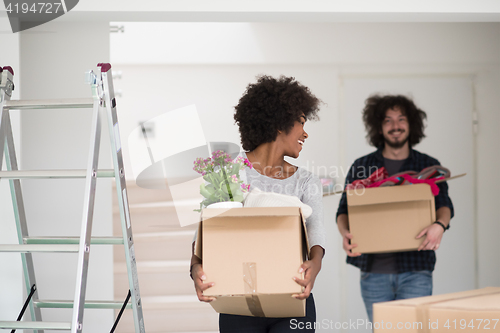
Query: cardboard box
{"type": "Point", "coordinates": [387, 219]}
{"type": "Point", "coordinates": [251, 254]}
{"type": "Point", "coordinates": [467, 311]}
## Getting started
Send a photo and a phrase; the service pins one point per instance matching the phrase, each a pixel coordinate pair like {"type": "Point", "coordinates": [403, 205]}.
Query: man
{"type": "Point", "coordinates": [394, 125]}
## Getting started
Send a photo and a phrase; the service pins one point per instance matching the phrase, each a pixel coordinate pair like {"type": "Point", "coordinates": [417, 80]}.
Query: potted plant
{"type": "Point", "coordinates": [223, 183]}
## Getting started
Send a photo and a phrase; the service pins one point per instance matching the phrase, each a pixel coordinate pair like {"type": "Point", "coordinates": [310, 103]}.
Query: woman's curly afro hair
{"type": "Point", "coordinates": [374, 112]}
{"type": "Point", "coordinates": [272, 105]}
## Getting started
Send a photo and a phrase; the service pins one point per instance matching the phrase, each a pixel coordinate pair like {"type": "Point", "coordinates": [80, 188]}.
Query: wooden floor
{"type": "Point", "coordinates": [163, 252]}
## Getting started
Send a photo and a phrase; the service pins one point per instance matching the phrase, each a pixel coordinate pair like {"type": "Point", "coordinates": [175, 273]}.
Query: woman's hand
{"type": "Point", "coordinates": [199, 283]}
{"type": "Point", "coordinates": [311, 269]}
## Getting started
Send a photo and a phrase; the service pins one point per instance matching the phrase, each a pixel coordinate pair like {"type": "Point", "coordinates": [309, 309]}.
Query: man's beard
{"type": "Point", "coordinates": [397, 144]}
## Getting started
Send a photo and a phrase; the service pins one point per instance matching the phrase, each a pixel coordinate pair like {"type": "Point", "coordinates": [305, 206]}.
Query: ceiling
{"type": "Point", "coordinates": [286, 11]}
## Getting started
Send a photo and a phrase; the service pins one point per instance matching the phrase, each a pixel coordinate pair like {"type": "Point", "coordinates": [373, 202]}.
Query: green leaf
{"type": "Point", "coordinates": [224, 188]}
{"type": "Point", "coordinates": [204, 192]}
{"type": "Point", "coordinates": [234, 187]}
{"type": "Point", "coordinates": [236, 169]}
{"type": "Point", "coordinates": [238, 197]}
{"type": "Point", "coordinates": [210, 188]}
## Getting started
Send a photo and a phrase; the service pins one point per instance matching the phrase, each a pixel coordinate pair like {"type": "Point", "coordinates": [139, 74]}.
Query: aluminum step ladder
{"type": "Point", "coordinates": [102, 101]}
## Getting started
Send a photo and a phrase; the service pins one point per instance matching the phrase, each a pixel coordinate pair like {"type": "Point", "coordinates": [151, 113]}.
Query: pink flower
{"type": "Point", "coordinates": [245, 187]}
{"type": "Point", "coordinates": [247, 163]}
{"type": "Point", "coordinates": [220, 160]}
{"type": "Point", "coordinates": [202, 166]}
{"type": "Point", "coordinates": [234, 179]}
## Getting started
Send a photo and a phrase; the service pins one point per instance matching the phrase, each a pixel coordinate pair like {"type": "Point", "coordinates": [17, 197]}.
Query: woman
{"type": "Point", "coordinates": [271, 117]}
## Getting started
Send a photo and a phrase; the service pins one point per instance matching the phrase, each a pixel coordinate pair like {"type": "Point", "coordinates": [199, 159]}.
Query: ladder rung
{"type": "Point", "coordinates": [33, 325]}
{"type": "Point", "coordinates": [50, 104]}
{"type": "Point", "coordinates": [88, 304]}
{"type": "Point", "coordinates": [38, 248]}
{"type": "Point", "coordinates": [44, 174]}
{"type": "Point", "coordinates": [73, 240]}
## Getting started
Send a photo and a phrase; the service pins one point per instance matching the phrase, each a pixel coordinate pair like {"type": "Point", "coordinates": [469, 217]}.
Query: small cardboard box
{"type": "Point", "coordinates": [387, 219]}
{"type": "Point", "coordinates": [468, 311]}
{"type": "Point", "coordinates": [251, 254]}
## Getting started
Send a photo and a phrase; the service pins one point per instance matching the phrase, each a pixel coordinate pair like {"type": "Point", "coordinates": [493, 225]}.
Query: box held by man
{"type": "Point", "coordinates": [388, 219]}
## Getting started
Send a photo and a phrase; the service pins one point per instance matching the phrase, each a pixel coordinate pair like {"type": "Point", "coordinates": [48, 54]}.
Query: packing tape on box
{"type": "Point", "coordinates": [423, 309]}
{"type": "Point", "coordinates": [250, 282]}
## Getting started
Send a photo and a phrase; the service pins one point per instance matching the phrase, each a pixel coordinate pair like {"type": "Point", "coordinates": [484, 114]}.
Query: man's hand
{"type": "Point", "coordinates": [199, 283]}
{"type": "Point", "coordinates": [432, 241]}
{"type": "Point", "coordinates": [346, 238]}
{"type": "Point", "coordinates": [343, 225]}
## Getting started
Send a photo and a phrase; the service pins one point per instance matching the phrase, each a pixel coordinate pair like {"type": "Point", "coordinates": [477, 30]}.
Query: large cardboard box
{"type": "Point", "coordinates": [387, 219]}
{"type": "Point", "coordinates": [468, 311]}
{"type": "Point", "coordinates": [252, 254]}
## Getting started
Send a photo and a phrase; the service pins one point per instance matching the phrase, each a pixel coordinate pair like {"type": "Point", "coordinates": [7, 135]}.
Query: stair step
{"type": "Point", "coordinates": [162, 246]}
{"type": "Point", "coordinates": [173, 314]}
{"type": "Point", "coordinates": [153, 208]}
{"type": "Point", "coordinates": [167, 266]}
{"type": "Point", "coordinates": [173, 302]}
{"type": "Point", "coordinates": [138, 195]}
{"type": "Point", "coordinates": [163, 236]}
{"type": "Point", "coordinates": [156, 278]}
{"type": "Point", "coordinates": [152, 220]}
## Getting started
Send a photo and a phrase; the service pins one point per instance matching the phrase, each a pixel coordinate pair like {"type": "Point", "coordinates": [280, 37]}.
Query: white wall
{"type": "Point", "coordinates": [215, 90]}
{"type": "Point", "coordinates": [320, 55]}
{"type": "Point", "coordinates": [11, 278]}
{"type": "Point", "coordinates": [306, 43]}
{"type": "Point", "coordinates": [55, 57]}
{"type": "Point", "coordinates": [488, 157]}
{"type": "Point", "coordinates": [357, 44]}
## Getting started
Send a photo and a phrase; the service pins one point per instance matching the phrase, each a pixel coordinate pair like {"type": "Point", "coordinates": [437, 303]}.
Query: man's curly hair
{"type": "Point", "coordinates": [374, 112]}
{"type": "Point", "coordinates": [272, 105]}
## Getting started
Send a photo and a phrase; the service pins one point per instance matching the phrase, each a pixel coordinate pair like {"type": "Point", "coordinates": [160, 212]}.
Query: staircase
{"type": "Point", "coordinates": [163, 254]}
